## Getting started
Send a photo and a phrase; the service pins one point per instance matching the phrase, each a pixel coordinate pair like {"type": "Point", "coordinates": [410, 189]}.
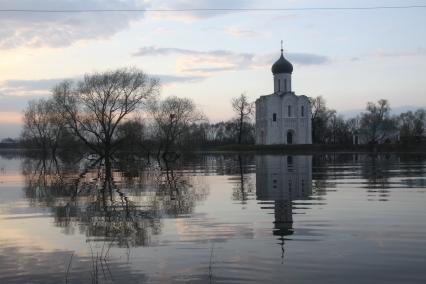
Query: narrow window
{"type": "Point", "coordinates": [279, 85]}
{"type": "Point", "coordinates": [274, 117]}
{"type": "Point", "coordinates": [289, 111]}
{"type": "Point", "coordinates": [302, 111]}
{"type": "Point", "coordinates": [285, 85]}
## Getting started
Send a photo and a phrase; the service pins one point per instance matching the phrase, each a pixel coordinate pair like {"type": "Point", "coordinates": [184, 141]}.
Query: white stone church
{"type": "Point", "coordinates": [283, 117]}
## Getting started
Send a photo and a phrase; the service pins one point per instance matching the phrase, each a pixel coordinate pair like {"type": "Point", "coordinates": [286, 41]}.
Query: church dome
{"type": "Point", "coordinates": [282, 65]}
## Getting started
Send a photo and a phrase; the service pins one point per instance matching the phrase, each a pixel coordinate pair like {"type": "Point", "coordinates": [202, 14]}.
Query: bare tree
{"type": "Point", "coordinates": [376, 121]}
{"type": "Point", "coordinates": [412, 125]}
{"type": "Point", "coordinates": [318, 106]}
{"type": "Point", "coordinates": [321, 116]}
{"type": "Point", "coordinates": [98, 104]}
{"type": "Point", "coordinates": [42, 124]}
{"type": "Point", "coordinates": [244, 111]}
{"type": "Point", "coordinates": [339, 130]}
{"type": "Point", "coordinates": [131, 135]}
{"type": "Point", "coordinates": [172, 118]}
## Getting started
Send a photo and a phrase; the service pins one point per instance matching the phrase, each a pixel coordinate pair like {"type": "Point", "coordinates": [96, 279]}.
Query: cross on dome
{"type": "Point", "coordinates": [282, 65]}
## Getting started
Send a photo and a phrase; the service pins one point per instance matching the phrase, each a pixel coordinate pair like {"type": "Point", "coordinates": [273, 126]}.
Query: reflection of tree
{"type": "Point", "coordinates": [413, 171]}
{"type": "Point", "coordinates": [45, 180]}
{"type": "Point", "coordinates": [377, 170]}
{"type": "Point", "coordinates": [244, 187]}
{"type": "Point", "coordinates": [176, 192]}
{"type": "Point", "coordinates": [121, 208]}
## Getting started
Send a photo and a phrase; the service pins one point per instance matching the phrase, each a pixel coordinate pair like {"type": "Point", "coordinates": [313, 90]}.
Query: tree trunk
{"type": "Point", "coordinates": [240, 136]}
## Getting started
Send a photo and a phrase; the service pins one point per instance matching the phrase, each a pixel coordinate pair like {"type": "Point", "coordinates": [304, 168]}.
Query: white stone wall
{"type": "Point", "coordinates": [269, 132]}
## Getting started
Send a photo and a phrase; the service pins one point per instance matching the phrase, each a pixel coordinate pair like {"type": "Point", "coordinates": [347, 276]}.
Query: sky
{"type": "Point", "coordinates": [349, 57]}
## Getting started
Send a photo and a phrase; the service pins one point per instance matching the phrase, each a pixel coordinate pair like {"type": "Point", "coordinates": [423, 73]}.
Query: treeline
{"type": "Point", "coordinates": [375, 125]}
{"type": "Point", "coordinates": [121, 110]}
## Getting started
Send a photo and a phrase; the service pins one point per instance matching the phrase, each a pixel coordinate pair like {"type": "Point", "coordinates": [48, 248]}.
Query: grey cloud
{"type": "Point", "coordinates": [31, 85]}
{"type": "Point", "coordinates": [308, 59]}
{"type": "Point", "coordinates": [12, 103]}
{"type": "Point", "coordinates": [386, 54]}
{"type": "Point", "coordinates": [62, 29]}
{"type": "Point", "coordinates": [15, 91]}
{"type": "Point", "coordinates": [234, 60]}
{"type": "Point", "coordinates": [14, 94]}
{"type": "Point", "coordinates": [298, 58]}
{"type": "Point", "coordinates": [153, 51]}
{"type": "Point", "coordinates": [171, 79]}
{"type": "Point", "coordinates": [405, 53]}
{"type": "Point", "coordinates": [209, 69]}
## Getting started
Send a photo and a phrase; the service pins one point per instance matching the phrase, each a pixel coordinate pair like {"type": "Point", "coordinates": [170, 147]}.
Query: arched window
{"type": "Point", "coordinates": [302, 111]}
{"type": "Point", "coordinates": [274, 117]}
{"type": "Point", "coordinates": [279, 85]}
{"type": "Point", "coordinates": [289, 110]}
{"type": "Point", "coordinates": [285, 85]}
{"type": "Point", "coordinates": [289, 137]}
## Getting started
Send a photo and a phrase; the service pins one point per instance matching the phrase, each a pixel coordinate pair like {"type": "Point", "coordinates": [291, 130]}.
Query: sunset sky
{"type": "Point", "coordinates": [349, 57]}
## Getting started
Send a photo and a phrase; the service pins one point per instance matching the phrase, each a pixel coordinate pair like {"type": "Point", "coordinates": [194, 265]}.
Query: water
{"type": "Point", "coordinates": [215, 218]}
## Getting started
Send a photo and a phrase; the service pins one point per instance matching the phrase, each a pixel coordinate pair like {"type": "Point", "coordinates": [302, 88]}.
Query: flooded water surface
{"type": "Point", "coordinates": [214, 218]}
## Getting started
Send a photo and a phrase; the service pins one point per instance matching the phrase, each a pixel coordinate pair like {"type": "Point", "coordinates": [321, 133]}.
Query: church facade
{"type": "Point", "coordinates": [283, 117]}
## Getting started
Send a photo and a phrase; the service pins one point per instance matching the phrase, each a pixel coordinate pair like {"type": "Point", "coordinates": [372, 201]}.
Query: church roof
{"type": "Point", "coordinates": [282, 65]}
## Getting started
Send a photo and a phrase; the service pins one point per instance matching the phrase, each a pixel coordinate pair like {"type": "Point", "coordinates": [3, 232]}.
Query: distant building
{"type": "Point", "coordinates": [283, 117]}
{"type": "Point", "coordinates": [383, 135]}
{"type": "Point", "coordinates": [8, 141]}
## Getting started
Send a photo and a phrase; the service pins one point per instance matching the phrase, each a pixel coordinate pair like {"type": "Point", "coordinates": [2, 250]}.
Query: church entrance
{"type": "Point", "coordinates": [289, 137]}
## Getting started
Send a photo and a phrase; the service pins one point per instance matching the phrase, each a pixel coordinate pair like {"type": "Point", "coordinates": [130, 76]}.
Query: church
{"type": "Point", "coordinates": [283, 117]}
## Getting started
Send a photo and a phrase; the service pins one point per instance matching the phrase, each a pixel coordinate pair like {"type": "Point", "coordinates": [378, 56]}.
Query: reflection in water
{"type": "Point", "coordinates": [378, 174]}
{"type": "Point", "coordinates": [282, 179]}
{"type": "Point", "coordinates": [113, 206]}
{"type": "Point", "coordinates": [243, 189]}
{"type": "Point", "coordinates": [148, 224]}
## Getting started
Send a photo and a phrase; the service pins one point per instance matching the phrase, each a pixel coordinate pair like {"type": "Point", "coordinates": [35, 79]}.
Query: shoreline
{"type": "Point", "coordinates": [322, 148]}
{"type": "Point", "coordinates": [290, 149]}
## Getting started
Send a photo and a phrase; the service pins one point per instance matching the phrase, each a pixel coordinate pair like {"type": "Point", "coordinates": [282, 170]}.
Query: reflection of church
{"type": "Point", "coordinates": [279, 181]}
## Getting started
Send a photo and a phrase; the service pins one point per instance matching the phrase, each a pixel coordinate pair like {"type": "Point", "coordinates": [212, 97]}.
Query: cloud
{"type": "Point", "coordinates": [398, 54]}
{"type": "Point", "coordinates": [204, 63]}
{"type": "Point", "coordinates": [10, 103]}
{"type": "Point", "coordinates": [308, 58]}
{"type": "Point", "coordinates": [30, 85]}
{"type": "Point", "coordinates": [15, 94]}
{"type": "Point", "coordinates": [62, 29]}
{"type": "Point", "coordinates": [26, 88]}
{"type": "Point", "coordinates": [387, 54]}
{"type": "Point", "coordinates": [171, 79]}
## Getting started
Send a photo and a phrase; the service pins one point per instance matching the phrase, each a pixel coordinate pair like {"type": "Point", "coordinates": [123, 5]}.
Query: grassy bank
{"type": "Point", "coordinates": [316, 148]}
